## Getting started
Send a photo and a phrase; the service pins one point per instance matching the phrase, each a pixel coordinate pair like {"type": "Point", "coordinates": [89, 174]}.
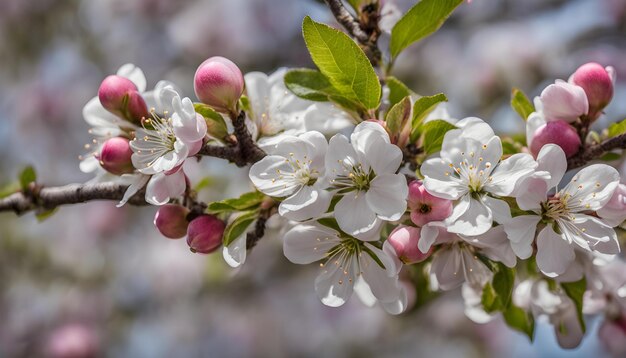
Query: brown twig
{"type": "Point", "coordinates": [596, 151]}
{"type": "Point", "coordinates": [364, 29]}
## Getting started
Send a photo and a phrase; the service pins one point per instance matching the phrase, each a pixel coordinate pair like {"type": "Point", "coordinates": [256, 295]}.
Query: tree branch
{"type": "Point", "coordinates": [42, 199]}
{"type": "Point", "coordinates": [596, 151]}
{"type": "Point", "coordinates": [365, 29]}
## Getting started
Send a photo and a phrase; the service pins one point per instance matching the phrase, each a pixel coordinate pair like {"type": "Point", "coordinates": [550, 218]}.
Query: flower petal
{"type": "Point", "coordinates": [506, 175]}
{"type": "Point", "coordinates": [531, 192]}
{"type": "Point", "coordinates": [554, 253]}
{"type": "Point", "coordinates": [307, 203]}
{"type": "Point", "coordinates": [138, 182]}
{"type": "Point", "coordinates": [552, 159]}
{"type": "Point", "coordinates": [304, 244]}
{"type": "Point", "coordinates": [591, 188]}
{"type": "Point", "coordinates": [439, 184]}
{"type": "Point", "coordinates": [382, 157]}
{"type": "Point", "coordinates": [135, 74]}
{"type": "Point", "coordinates": [521, 232]}
{"type": "Point", "coordinates": [334, 284]}
{"type": "Point", "coordinates": [447, 268]}
{"type": "Point", "coordinates": [235, 253]}
{"type": "Point", "coordinates": [354, 215]}
{"type": "Point", "coordinates": [273, 176]}
{"type": "Point", "coordinates": [387, 196]}
{"type": "Point", "coordinates": [162, 187]}
{"type": "Point", "coordinates": [340, 157]}
{"type": "Point", "coordinates": [470, 217]}
{"type": "Point", "coordinates": [382, 281]}
{"type": "Point", "coordinates": [592, 234]}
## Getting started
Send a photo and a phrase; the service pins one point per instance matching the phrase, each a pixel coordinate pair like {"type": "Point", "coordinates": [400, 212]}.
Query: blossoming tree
{"type": "Point", "coordinates": [372, 181]}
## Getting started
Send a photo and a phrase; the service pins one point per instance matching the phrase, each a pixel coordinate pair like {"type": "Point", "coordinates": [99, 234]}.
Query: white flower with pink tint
{"type": "Point", "coordinates": [563, 101]}
{"type": "Point", "coordinates": [614, 212]}
{"type": "Point", "coordinates": [425, 207]}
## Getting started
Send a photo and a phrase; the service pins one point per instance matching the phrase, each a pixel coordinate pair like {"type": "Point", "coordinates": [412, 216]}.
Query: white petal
{"type": "Point", "coordinates": [235, 253]}
{"type": "Point", "coordinates": [473, 305]}
{"type": "Point", "coordinates": [258, 89]}
{"type": "Point", "coordinates": [398, 306]}
{"type": "Point", "coordinates": [568, 331]}
{"type": "Point", "coordinates": [273, 176]}
{"type": "Point", "coordinates": [138, 182]}
{"type": "Point", "coordinates": [470, 217]}
{"type": "Point", "coordinates": [500, 210]}
{"type": "Point", "coordinates": [495, 245]}
{"type": "Point", "coordinates": [135, 74]}
{"type": "Point", "coordinates": [554, 253]}
{"type": "Point", "coordinates": [552, 159]}
{"type": "Point", "coordinates": [382, 157]}
{"type": "Point", "coordinates": [309, 202]}
{"type": "Point", "coordinates": [319, 146]}
{"type": "Point", "coordinates": [304, 244]}
{"type": "Point", "coordinates": [387, 196]}
{"type": "Point", "coordinates": [438, 183]}
{"type": "Point", "coordinates": [476, 273]}
{"type": "Point", "coordinates": [535, 120]}
{"type": "Point", "coordinates": [506, 175]}
{"type": "Point", "coordinates": [592, 234]}
{"type": "Point", "coordinates": [188, 125]}
{"type": "Point", "coordinates": [428, 235]}
{"type": "Point", "coordinates": [383, 285]}
{"type": "Point", "coordinates": [531, 192]}
{"type": "Point", "coordinates": [365, 132]}
{"type": "Point", "coordinates": [591, 188]}
{"type": "Point", "coordinates": [447, 268]}
{"type": "Point", "coordinates": [340, 157]}
{"type": "Point", "coordinates": [475, 128]}
{"type": "Point", "coordinates": [325, 117]}
{"type": "Point", "coordinates": [334, 284]}
{"type": "Point", "coordinates": [354, 215]}
{"type": "Point", "coordinates": [521, 231]}
{"type": "Point", "coordinates": [363, 292]}
{"type": "Point", "coordinates": [162, 187]}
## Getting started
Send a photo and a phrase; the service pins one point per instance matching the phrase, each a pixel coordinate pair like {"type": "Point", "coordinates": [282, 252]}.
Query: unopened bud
{"type": "Point", "coordinates": [119, 96]}
{"type": "Point", "coordinates": [204, 234]}
{"type": "Point", "coordinates": [404, 241]}
{"type": "Point", "coordinates": [219, 83]}
{"type": "Point", "coordinates": [564, 101]}
{"type": "Point", "coordinates": [559, 133]}
{"type": "Point", "coordinates": [597, 82]}
{"type": "Point", "coordinates": [115, 156]}
{"type": "Point", "coordinates": [426, 207]}
{"type": "Point", "coordinates": [171, 221]}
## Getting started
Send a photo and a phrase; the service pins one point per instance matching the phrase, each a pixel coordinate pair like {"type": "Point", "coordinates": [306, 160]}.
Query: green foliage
{"type": "Point", "coordinates": [309, 84]}
{"type": "Point", "coordinates": [434, 131]}
{"type": "Point", "coordinates": [9, 189]}
{"type": "Point", "coordinates": [247, 201]}
{"type": "Point", "coordinates": [420, 21]}
{"type": "Point", "coordinates": [239, 226]}
{"type": "Point", "coordinates": [422, 107]}
{"type": "Point", "coordinates": [575, 291]}
{"type": "Point", "coordinates": [397, 90]}
{"type": "Point", "coordinates": [521, 104]}
{"type": "Point", "coordinates": [520, 320]}
{"type": "Point", "coordinates": [46, 214]}
{"type": "Point", "coordinates": [608, 157]}
{"type": "Point", "coordinates": [398, 115]}
{"type": "Point", "coordinates": [343, 62]}
{"type": "Point", "coordinates": [216, 126]}
{"type": "Point", "coordinates": [27, 176]}
{"type": "Point", "coordinates": [616, 129]}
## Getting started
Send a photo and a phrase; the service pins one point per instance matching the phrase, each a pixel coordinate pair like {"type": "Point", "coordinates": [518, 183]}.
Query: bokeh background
{"type": "Point", "coordinates": [102, 279]}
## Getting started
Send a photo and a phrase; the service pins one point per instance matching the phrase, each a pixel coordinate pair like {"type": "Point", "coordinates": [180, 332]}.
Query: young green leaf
{"type": "Point", "coordinates": [575, 291]}
{"type": "Point", "coordinates": [398, 115]}
{"type": "Point", "coordinates": [497, 293]}
{"type": "Point", "coordinates": [434, 131]}
{"type": "Point", "coordinates": [397, 90]}
{"type": "Point", "coordinates": [238, 226]}
{"type": "Point", "coordinates": [216, 126]}
{"type": "Point", "coordinates": [422, 107]}
{"type": "Point", "coordinates": [246, 201]}
{"type": "Point", "coordinates": [521, 104]}
{"type": "Point", "coordinates": [309, 84]}
{"type": "Point", "coordinates": [9, 189]}
{"type": "Point", "coordinates": [342, 62]}
{"type": "Point", "coordinates": [27, 176]}
{"type": "Point", "coordinates": [616, 129]}
{"type": "Point", "coordinates": [520, 320]}
{"type": "Point", "coordinates": [46, 214]}
{"type": "Point", "coordinates": [421, 20]}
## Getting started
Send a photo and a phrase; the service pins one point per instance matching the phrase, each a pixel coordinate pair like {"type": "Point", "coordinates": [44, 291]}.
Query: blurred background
{"type": "Point", "coordinates": [100, 281]}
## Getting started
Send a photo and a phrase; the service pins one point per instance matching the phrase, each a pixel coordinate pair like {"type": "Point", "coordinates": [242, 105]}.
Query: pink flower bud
{"type": "Point", "coordinates": [72, 341]}
{"type": "Point", "coordinates": [219, 83]}
{"type": "Point", "coordinates": [597, 83]}
{"type": "Point", "coordinates": [426, 207]}
{"type": "Point", "coordinates": [404, 241]}
{"type": "Point", "coordinates": [564, 101]}
{"type": "Point", "coordinates": [171, 221]}
{"type": "Point", "coordinates": [115, 156]}
{"type": "Point", "coordinates": [559, 133]}
{"type": "Point", "coordinates": [119, 96]}
{"type": "Point", "coordinates": [204, 234]}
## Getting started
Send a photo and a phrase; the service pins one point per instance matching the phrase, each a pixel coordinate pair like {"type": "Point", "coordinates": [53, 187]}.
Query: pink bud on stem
{"type": "Point", "coordinates": [171, 221]}
{"type": "Point", "coordinates": [597, 82]}
{"type": "Point", "coordinates": [559, 133]}
{"type": "Point", "coordinates": [119, 96]}
{"type": "Point", "coordinates": [115, 156]}
{"type": "Point", "coordinates": [219, 83]}
{"type": "Point", "coordinates": [404, 241]}
{"type": "Point", "coordinates": [204, 234]}
{"type": "Point", "coordinates": [426, 207]}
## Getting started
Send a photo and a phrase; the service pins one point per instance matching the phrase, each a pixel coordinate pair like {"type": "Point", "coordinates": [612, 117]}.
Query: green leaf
{"type": "Point", "coordinates": [575, 291]}
{"type": "Point", "coordinates": [398, 115]}
{"type": "Point", "coordinates": [343, 62]}
{"type": "Point", "coordinates": [421, 20]}
{"type": "Point", "coordinates": [422, 107]}
{"type": "Point", "coordinates": [9, 189]}
{"type": "Point", "coordinates": [238, 226]}
{"type": "Point", "coordinates": [27, 176]}
{"type": "Point", "coordinates": [434, 131]}
{"type": "Point", "coordinates": [397, 90]}
{"type": "Point", "coordinates": [616, 129]}
{"type": "Point", "coordinates": [521, 104]}
{"type": "Point", "coordinates": [245, 202]}
{"type": "Point", "coordinates": [497, 293]}
{"type": "Point", "coordinates": [216, 126]}
{"type": "Point", "coordinates": [609, 157]}
{"type": "Point", "coordinates": [309, 84]}
{"type": "Point", "coordinates": [520, 320]}
{"type": "Point", "coordinates": [43, 215]}
{"type": "Point", "coordinates": [203, 183]}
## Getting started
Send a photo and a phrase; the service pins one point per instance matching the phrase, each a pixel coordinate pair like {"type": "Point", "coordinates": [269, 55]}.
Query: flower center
{"type": "Point", "coordinates": [302, 171]}
{"type": "Point", "coordinates": [556, 208]}
{"type": "Point", "coordinates": [425, 208]}
{"type": "Point", "coordinates": [356, 179]}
